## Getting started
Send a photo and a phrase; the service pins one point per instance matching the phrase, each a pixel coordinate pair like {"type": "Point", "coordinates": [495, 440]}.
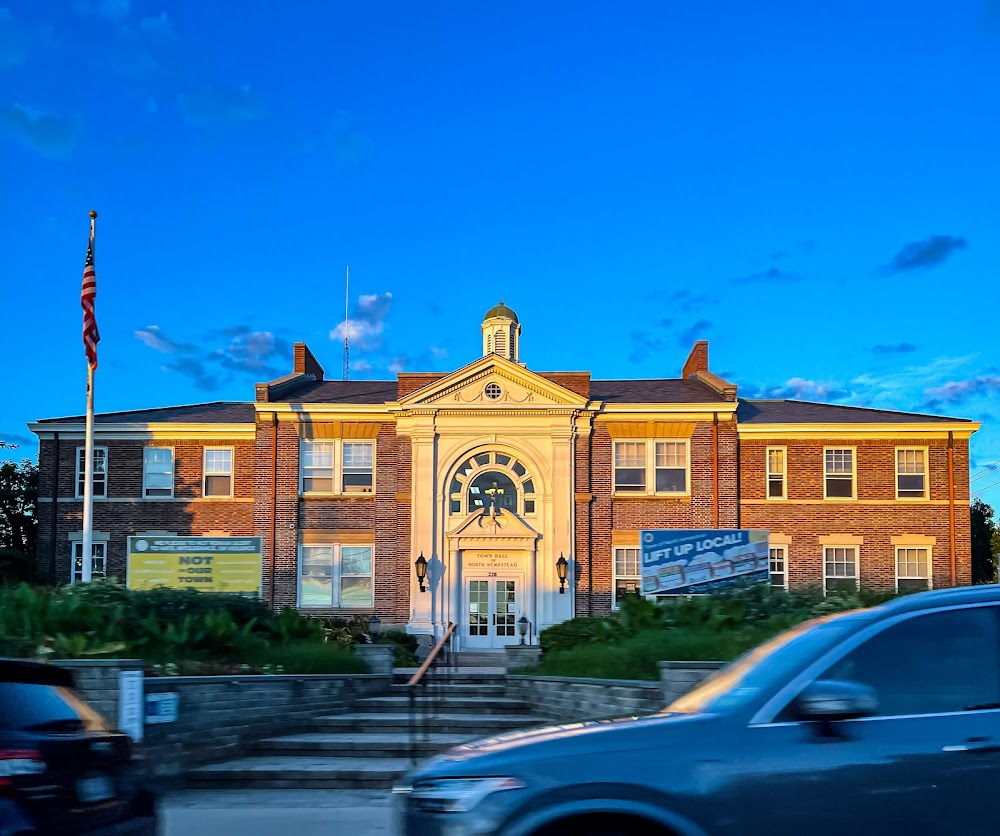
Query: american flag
{"type": "Point", "coordinates": [87, 296]}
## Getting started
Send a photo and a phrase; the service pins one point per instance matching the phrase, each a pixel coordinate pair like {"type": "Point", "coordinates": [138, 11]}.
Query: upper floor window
{"type": "Point", "coordinates": [838, 482]}
{"type": "Point", "coordinates": [359, 464]}
{"type": "Point", "coordinates": [99, 476]}
{"type": "Point", "coordinates": [776, 473]}
{"type": "Point", "coordinates": [157, 472]}
{"type": "Point", "coordinates": [491, 479]}
{"type": "Point", "coordinates": [218, 471]}
{"type": "Point", "coordinates": [316, 466]}
{"type": "Point", "coordinates": [336, 466]}
{"type": "Point", "coordinates": [651, 467]}
{"type": "Point", "coordinates": [911, 473]}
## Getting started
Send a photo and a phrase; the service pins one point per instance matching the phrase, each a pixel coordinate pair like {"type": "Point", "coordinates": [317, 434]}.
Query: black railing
{"type": "Point", "coordinates": [425, 691]}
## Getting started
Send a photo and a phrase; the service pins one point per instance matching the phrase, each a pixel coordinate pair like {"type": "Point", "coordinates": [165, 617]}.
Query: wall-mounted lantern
{"type": "Point", "coordinates": [420, 564]}
{"type": "Point", "coordinates": [522, 627]}
{"type": "Point", "coordinates": [562, 567]}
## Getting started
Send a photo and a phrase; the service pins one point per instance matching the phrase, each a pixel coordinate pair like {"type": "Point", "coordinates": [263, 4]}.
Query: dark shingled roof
{"type": "Point", "coordinates": [217, 412]}
{"type": "Point", "coordinates": [666, 390]}
{"type": "Point", "coordinates": [342, 391]}
{"type": "Point", "coordinates": [806, 412]}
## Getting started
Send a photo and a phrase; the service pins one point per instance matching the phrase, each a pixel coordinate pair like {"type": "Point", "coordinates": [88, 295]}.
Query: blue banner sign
{"type": "Point", "coordinates": [686, 562]}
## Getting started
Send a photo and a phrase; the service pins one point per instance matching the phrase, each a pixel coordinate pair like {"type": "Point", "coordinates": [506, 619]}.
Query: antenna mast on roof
{"type": "Point", "coordinates": [347, 324]}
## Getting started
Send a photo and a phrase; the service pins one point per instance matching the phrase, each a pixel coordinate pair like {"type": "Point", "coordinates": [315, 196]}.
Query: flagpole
{"type": "Point", "coordinates": [87, 547]}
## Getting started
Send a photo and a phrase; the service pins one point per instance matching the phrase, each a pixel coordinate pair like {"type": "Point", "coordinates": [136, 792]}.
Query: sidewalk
{"type": "Point", "coordinates": [267, 812]}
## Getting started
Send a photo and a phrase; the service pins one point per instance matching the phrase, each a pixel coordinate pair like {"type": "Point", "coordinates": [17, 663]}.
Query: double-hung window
{"type": "Point", "coordinates": [840, 569]}
{"type": "Point", "coordinates": [335, 576]}
{"type": "Point", "coordinates": [651, 467]}
{"type": "Point", "coordinates": [359, 471]}
{"type": "Point", "coordinates": [838, 482]}
{"type": "Point", "coordinates": [98, 560]}
{"type": "Point", "coordinates": [316, 460]}
{"type": "Point", "coordinates": [157, 472]}
{"type": "Point", "coordinates": [911, 473]}
{"type": "Point", "coordinates": [99, 475]}
{"type": "Point", "coordinates": [776, 473]}
{"type": "Point", "coordinates": [778, 559]}
{"type": "Point", "coordinates": [913, 568]}
{"type": "Point", "coordinates": [628, 574]}
{"type": "Point", "coordinates": [218, 472]}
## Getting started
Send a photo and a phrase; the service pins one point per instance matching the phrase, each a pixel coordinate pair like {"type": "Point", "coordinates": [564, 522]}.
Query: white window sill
{"type": "Point", "coordinates": [630, 495]}
{"type": "Point", "coordinates": [336, 495]}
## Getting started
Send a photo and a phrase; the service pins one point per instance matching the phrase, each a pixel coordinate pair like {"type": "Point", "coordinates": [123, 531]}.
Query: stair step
{"type": "Point", "coordinates": [444, 703]}
{"type": "Point", "coordinates": [374, 745]}
{"type": "Point", "coordinates": [455, 722]}
{"type": "Point", "coordinates": [463, 689]}
{"type": "Point", "coordinates": [302, 772]}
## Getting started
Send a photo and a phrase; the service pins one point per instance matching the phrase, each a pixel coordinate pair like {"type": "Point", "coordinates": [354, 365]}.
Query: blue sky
{"type": "Point", "coordinates": [811, 187]}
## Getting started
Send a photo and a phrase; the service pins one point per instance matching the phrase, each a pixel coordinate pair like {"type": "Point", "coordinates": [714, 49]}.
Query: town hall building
{"type": "Point", "coordinates": [496, 492]}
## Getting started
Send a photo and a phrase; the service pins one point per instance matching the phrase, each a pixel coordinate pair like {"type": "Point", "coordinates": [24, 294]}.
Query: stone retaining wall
{"type": "Point", "coordinates": [571, 699]}
{"type": "Point", "coordinates": [217, 716]}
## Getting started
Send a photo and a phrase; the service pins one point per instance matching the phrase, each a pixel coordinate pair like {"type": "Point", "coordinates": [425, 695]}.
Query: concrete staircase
{"type": "Point", "coordinates": [371, 746]}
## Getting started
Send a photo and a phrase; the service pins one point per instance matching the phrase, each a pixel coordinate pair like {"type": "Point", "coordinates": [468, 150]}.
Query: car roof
{"type": "Point", "coordinates": [34, 673]}
{"type": "Point", "coordinates": [953, 597]}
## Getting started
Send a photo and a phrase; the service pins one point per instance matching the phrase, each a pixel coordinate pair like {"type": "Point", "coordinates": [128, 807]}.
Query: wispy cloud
{"type": "Point", "coordinates": [772, 275]}
{"type": "Point", "coordinates": [222, 106]}
{"type": "Point", "coordinates": [49, 135]}
{"type": "Point", "coordinates": [248, 354]}
{"type": "Point", "coordinates": [682, 301]}
{"type": "Point", "coordinates": [366, 325]}
{"type": "Point", "coordinates": [398, 364]}
{"type": "Point", "coordinates": [961, 391]}
{"type": "Point", "coordinates": [13, 45]}
{"type": "Point", "coordinates": [643, 345]}
{"type": "Point", "coordinates": [797, 388]}
{"type": "Point", "coordinates": [896, 348]}
{"type": "Point", "coordinates": [696, 332]}
{"type": "Point", "coordinates": [361, 365]}
{"type": "Point", "coordinates": [18, 440]}
{"type": "Point", "coordinates": [439, 353]}
{"type": "Point", "coordinates": [921, 255]}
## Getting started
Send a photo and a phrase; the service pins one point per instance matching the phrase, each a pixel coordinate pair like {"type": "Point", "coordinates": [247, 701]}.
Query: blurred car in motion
{"type": "Point", "coordinates": [884, 720]}
{"type": "Point", "coordinates": [62, 769]}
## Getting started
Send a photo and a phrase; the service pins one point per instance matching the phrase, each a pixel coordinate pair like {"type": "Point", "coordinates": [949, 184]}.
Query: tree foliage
{"type": "Point", "coordinates": [18, 506]}
{"type": "Point", "coordinates": [985, 539]}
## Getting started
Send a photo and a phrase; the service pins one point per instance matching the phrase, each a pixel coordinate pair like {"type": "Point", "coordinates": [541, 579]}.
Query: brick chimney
{"type": "Point", "coordinates": [305, 363]}
{"type": "Point", "coordinates": [697, 360]}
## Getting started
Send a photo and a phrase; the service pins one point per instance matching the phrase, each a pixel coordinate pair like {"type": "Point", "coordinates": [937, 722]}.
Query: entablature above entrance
{"type": "Point", "coordinates": [482, 530]}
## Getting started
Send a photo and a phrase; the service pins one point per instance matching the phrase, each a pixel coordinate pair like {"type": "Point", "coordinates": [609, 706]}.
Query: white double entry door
{"type": "Point", "coordinates": [493, 605]}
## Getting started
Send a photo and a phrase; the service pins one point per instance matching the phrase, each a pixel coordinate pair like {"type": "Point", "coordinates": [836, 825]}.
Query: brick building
{"type": "Point", "coordinates": [347, 482]}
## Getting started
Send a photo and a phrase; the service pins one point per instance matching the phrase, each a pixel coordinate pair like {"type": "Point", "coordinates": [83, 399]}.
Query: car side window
{"type": "Point", "coordinates": [930, 664]}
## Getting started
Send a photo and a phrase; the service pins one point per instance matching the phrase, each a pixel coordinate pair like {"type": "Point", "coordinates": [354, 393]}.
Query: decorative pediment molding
{"type": "Point", "coordinates": [483, 530]}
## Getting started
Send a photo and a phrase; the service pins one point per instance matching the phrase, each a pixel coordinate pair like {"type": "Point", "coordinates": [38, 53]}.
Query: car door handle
{"type": "Point", "coordinates": [975, 746]}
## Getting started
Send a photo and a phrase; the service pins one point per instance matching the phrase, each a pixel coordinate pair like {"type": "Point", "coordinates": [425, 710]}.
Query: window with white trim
{"type": "Point", "coordinates": [913, 568]}
{"type": "Point", "coordinates": [334, 575]}
{"type": "Point", "coordinates": [157, 472]}
{"type": "Point", "coordinates": [99, 475]}
{"type": "Point", "coordinates": [98, 560]}
{"type": "Point", "coordinates": [911, 473]}
{"type": "Point", "coordinates": [839, 473]}
{"type": "Point", "coordinates": [218, 478]}
{"type": "Point", "coordinates": [359, 467]}
{"type": "Point", "coordinates": [840, 569]}
{"type": "Point", "coordinates": [492, 480]}
{"type": "Point", "coordinates": [628, 573]}
{"type": "Point", "coordinates": [654, 467]}
{"type": "Point", "coordinates": [778, 560]}
{"type": "Point", "coordinates": [776, 473]}
{"type": "Point", "coordinates": [316, 460]}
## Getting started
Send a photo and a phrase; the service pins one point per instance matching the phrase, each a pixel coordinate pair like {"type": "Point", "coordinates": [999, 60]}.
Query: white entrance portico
{"type": "Point", "coordinates": [493, 558]}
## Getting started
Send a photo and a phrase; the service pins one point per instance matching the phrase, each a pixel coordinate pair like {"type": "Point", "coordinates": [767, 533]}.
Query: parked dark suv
{"type": "Point", "coordinates": [878, 721]}
{"type": "Point", "coordinates": [62, 770]}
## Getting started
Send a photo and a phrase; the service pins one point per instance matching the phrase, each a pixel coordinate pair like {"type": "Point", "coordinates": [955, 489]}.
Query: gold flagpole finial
{"type": "Point", "coordinates": [93, 214]}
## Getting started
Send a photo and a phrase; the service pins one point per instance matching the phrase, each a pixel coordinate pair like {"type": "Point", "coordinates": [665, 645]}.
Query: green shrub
{"type": "Point", "coordinates": [307, 658]}
{"type": "Point", "coordinates": [404, 647]}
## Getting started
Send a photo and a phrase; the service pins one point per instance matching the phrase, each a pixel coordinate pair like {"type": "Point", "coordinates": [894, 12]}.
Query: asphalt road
{"type": "Point", "coordinates": [270, 812]}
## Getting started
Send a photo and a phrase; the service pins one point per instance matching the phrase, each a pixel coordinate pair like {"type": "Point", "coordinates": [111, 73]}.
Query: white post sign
{"type": "Point", "coordinates": [131, 705]}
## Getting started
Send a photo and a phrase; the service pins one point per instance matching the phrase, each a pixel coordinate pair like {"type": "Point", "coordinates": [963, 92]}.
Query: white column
{"type": "Point", "coordinates": [423, 528]}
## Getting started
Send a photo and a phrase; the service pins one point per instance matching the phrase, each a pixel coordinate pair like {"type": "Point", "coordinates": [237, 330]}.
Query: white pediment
{"type": "Point", "coordinates": [483, 529]}
{"type": "Point", "coordinates": [493, 382]}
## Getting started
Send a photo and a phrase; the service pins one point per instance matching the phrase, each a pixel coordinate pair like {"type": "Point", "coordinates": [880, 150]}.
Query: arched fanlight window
{"type": "Point", "coordinates": [487, 475]}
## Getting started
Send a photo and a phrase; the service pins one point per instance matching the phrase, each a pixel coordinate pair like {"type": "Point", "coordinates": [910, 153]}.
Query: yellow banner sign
{"type": "Point", "coordinates": [211, 564]}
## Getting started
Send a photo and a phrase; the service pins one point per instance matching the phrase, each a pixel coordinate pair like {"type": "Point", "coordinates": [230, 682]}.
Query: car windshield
{"type": "Point", "coordinates": [765, 667]}
{"type": "Point", "coordinates": [26, 706]}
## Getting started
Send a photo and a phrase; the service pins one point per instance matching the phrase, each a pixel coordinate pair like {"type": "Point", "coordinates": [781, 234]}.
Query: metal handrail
{"type": "Point", "coordinates": [415, 679]}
